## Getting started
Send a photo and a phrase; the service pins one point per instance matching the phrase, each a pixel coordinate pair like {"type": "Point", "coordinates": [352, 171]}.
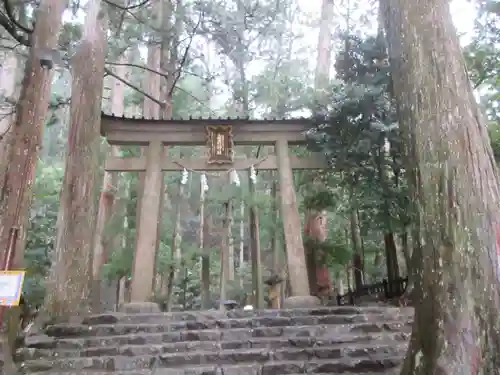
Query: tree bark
{"type": "Point", "coordinates": [175, 249]}
{"type": "Point", "coordinates": [391, 254]}
{"type": "Point", "coordinates": [102, 240]}
{"type": "Point", "coordinates": [315, 223]}
{"type": "Point", "coordinates": [278, 266]}
{"type": "Point", "coordinates": [150, 109]}
{"type": "Point", "coordinates": [230, 241]}
{"type": "Point", "coordinates": [224, 256]}
{"type": "Point", "coordinates": [20, 150]}
{"type": "Point", "coordinates": [254, 226]}
{"type": "Point", "coordinates": [205, 255]}
{"type": "Point", "coordinates": [457, 279]}
{"type": "Point", "coordinates": [71, 275]}
{"type": "Point", "coordinates": [357, 258]}
{"type": "Point", "coordinates": [405, 248]}
{"type": "Point", "coordinates": [324, 58]}
{"type": "Point", "coordinates": [8, 75]}
{"type": "Point", "coordinates": [241, 251]}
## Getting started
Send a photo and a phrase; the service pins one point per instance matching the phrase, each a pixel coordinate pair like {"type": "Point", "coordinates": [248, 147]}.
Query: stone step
{"type": "Point", "coordinates": [26, 353]}
{"type": "Point", "coordinates": [246, 322]}
{"type": "Point", "coordinates": [82, 331]}
{"type": "Point", "coordinates": [323, 359]}
{"type": "Point", "coordinates": [113, 318]}
{"type": "Point", "coordinates": [230, 370]}
{"type": "Point", "coordinates": [133, 337]}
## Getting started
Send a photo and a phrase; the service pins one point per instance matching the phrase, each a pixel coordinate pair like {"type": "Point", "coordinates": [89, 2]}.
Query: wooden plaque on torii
{"type": "Point", "coordinates": [220, 144]}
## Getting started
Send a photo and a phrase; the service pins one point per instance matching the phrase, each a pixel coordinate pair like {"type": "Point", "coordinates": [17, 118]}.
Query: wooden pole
{"type": "Point", "coordinates": [230, 241]}
{"type": "Point", "coordinates": [224, 258]}
{"type": "Point", "coordinates": [205, 256]}
{"type": "Point", "coordinates": [275, 289]}
{"type": "Point", "coordinates": [241, 253]}
{"type": "Point", "coordinates": [257, 286]}
{"type": "Point", "coordinates": [175, 250]}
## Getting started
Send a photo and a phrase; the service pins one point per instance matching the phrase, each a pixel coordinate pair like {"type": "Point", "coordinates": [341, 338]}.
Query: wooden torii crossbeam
{"type": "Point", "coordinates": [138, 164]}
{"type": "Point", "coordinates": [155, 134]}
{"type": "Point", "coordinates": [192, 132]}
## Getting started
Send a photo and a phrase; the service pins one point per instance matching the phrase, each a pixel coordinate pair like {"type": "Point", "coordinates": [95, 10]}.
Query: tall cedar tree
{"type": "Point", "coordinates": [458, 195]}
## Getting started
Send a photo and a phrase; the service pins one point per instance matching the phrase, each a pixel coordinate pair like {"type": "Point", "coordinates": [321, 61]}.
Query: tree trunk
{"type": "Point", "coordinates": [102, 240]}
{"type": "Point", "coordinates": [150, 108]}
{"type": "Point", "coordinates": [456, 315]}
{"type": "Point", "coordinates": [405, 248]}
{"type": "Point", "coordinates": [205, 254]}
{"type": "Point", "coordinates": [21, 148]}
{"type": "Point", "coordinates": [68, 292]}
{"type": "Point", "coordinates": [230, 241]}
{"type": "Point", "coordinates": [278, 268]}
{"type": "Point", "coordinates": [391, 254]}
{"type": "Point", "coordinates": [254, 237]}
{"type": "Point", "coordinates": [167, 64]}
{"type": "Point", "coordinates": [8, 75]}
{"type": "Point", "coordinates": [324, 58]}
{"type": "Point", "coordinates": [175, 249]}
{"type": "Point", "coordinates": [224, 256]}
{"type": "Point", "coordinates": [241, 251]}
{"type": "Point", "coordinates": [357, 259]}
{"type": "Point", "coordinates": [316, 221]}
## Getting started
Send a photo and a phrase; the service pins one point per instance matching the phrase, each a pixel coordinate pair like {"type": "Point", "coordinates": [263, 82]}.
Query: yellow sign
{"type": "Point", "coordinates": [11, 285]}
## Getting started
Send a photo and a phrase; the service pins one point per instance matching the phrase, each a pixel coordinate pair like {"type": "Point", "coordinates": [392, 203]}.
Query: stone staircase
{"type": "Point", "coordinates": [333, 340]}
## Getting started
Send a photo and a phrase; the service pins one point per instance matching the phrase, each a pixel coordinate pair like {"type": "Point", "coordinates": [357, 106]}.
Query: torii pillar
{"type": "Point", "coordinates": [295, 254]}
{"type": "Point", "coordinates": [143, 271]}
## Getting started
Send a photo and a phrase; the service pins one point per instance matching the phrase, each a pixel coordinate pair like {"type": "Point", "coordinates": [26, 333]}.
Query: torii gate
{"type": "Point", "coordinates": [219, 135]}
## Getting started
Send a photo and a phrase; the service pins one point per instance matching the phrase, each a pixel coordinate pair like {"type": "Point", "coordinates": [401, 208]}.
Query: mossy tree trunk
{"type": "Point", "coordinates": [68, 291]}
{"type": "Point", "coordinates": [21, 147]}
{"type": "Point", "coordinates": [103, 238]}
{"type": "Point", "coordinates": [315, 223]}
{"type": "Point", "coordinates": [456, 328]}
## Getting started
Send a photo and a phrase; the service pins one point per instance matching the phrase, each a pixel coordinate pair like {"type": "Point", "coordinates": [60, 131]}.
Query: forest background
{"type": "Point", "coordinates": [243, 58]}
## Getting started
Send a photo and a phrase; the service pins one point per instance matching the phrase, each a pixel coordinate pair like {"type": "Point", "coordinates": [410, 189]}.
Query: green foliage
{"type": "Point", "coordinates": [257, 60]}
{"type": "Point", "coordinates": [320, 200]}
{"type": "Point", "coordinates": [335, 247]}
{"type": "Point", "coordinates": [483, 58]}
{"type": "Point", "coordinates": [359, 119]}
{"type": "Point", "coordinates": [356, 128]}
{"type": "Point", "coordinates": [41, 231]}
{"type": "Point", "coordinates": [281, 90]}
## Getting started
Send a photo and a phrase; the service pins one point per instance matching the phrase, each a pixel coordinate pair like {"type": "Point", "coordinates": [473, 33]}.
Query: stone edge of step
{"type": "Point", "coordinates": [160, 372]}
{"type": "Point", "coordinates": [236, 314]}
{"type": "Point", "coordinates": [85, 331]}
{"type": "Point", "coordinates": [151, 363]}
{"type": "Point", "coordinates": [262, 320]}
{"type": "Point", "coordinates": [142, 338]}
{"type": "Point", "coordinates": [277, 345]}
{"type": "Point", "coordinates": [271, 343]}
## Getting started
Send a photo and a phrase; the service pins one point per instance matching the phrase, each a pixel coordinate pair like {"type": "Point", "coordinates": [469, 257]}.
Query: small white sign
{"type": "Point", "coordinates": [11, 285]}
